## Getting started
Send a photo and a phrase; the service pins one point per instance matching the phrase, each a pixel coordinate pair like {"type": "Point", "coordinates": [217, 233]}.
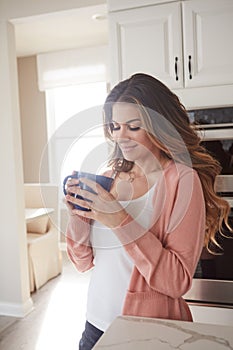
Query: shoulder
{"type": "Point", "coordinates": [183, 182]}
{"type": "Point", "coordinates": [177, 177]}
{"type": "Point", "coordinates": [175, 172]}
{"type": "Point", "coordinates": [178, 168]}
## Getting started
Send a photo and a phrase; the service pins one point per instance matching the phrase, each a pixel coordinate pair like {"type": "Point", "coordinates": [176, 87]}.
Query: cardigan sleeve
{"type": "Point", "coordinates": [166, 255]}
{"type": "Point", "coordinates": [79, 247]}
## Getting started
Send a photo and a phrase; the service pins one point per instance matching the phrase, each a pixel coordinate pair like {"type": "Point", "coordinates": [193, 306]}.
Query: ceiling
{"type": "Point", "coordinates": [82, 27]}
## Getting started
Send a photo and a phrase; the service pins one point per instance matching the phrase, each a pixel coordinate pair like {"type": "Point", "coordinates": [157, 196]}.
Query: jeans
{"type": "Point", "coordinates": [90, 337]}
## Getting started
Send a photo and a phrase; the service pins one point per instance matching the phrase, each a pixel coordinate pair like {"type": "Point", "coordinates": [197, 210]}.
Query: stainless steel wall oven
{"type": "Point", "coordinates": [213, 280]}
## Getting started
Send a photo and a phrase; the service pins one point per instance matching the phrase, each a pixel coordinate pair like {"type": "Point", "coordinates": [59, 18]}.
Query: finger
{"type": "Point", "coordinates": [67, 203]}
{"type": "Point", "coordinates": [73, 189]}
{"type": "Point", "coordinates": [92, 184]}
{"type": "Point", "coordinates": [77, 201]}
{"type": "Point", "coordinates": [83, 193]}
{"type": "Point", "coordinates": [69, 206]}
{"type": "Point", "coordinates": [85, 214]}
{"type": "Point", "coordinates": [72, 182]}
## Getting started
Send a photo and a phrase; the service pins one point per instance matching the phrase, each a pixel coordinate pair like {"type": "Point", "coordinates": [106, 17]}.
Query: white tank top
{"type": "Point", "coordinates": [113, 267]}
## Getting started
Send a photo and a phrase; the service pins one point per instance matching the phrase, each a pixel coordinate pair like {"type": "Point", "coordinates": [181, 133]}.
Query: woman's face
{"type": "Point", "coordinates": [128, 131]}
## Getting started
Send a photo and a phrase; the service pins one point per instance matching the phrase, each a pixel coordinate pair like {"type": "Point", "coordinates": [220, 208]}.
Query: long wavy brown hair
{"type": "Point", "coordinates": [167, 124]}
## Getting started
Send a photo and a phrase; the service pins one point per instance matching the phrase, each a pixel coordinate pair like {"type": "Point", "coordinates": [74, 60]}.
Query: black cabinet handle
{"type": "Point", "coordinates": [190, 67]}
{"type": "Point", "coordinates": [176, 68]}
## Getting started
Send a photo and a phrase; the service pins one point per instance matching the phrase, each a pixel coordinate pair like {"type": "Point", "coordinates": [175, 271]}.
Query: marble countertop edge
{"type": "Point", "coordinates": [134, 333]}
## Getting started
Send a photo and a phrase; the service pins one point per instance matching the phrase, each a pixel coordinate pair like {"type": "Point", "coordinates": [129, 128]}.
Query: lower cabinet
{"type": "Point", "coordinates": [212, 314]}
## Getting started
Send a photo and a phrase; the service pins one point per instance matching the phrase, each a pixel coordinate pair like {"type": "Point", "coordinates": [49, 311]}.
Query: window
{"type": "Point", "coordinates": [76, 139]}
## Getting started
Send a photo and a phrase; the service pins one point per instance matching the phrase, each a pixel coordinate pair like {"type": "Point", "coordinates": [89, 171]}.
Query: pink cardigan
{"type": "Point", "coordinates": [165, 256]}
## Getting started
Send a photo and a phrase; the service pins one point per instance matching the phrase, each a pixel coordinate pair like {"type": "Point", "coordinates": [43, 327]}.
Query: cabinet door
{"type": "Point", "coordinates": [148, 40]}
{"type": "Point", "coordinates": [208, 42]}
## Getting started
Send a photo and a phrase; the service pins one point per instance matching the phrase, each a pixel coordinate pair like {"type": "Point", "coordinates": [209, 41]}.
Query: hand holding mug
{"type": "Point", "coordinates": [92, 200]}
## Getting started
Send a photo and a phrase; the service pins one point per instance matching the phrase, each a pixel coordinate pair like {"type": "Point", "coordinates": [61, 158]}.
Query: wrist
{"type": "Point", "coordinates": [119, 218]}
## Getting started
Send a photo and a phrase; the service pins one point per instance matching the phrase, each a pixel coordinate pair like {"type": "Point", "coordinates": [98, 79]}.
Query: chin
{"type": "Point", "coordinates": [128, 157]}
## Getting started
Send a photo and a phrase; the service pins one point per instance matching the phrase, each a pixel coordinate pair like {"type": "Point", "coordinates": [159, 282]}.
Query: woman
{"type": "Point", "coordinates": [144, 237]}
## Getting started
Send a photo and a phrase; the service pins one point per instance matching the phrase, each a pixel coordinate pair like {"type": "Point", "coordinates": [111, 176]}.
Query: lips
{"type": "Point", "coordinates": [127, 148]}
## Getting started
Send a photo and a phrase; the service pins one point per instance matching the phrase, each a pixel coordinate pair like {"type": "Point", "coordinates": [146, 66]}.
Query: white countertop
{"type": "Point", "coordinates": [136, 333]}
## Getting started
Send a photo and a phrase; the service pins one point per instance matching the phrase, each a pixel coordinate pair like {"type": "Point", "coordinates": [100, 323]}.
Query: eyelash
{"type": "Point", "coordinates": [131, 128]}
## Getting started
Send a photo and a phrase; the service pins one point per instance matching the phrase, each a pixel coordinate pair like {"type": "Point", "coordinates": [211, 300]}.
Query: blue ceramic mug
{"type": "Point", "coordinates": [104, 181]}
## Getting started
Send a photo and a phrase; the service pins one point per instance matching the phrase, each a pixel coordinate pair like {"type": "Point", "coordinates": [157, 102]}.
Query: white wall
{"type": "Point", "coordinates": [14, 285]}
{"type": "Point", "coordinates": [33, 121]}
{"type": "Point", "coordinates": [14, 296]}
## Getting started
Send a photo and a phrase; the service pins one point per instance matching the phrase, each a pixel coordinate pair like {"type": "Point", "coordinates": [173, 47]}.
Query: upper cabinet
{"type": "Point", "coordinates": [147, 40]}
{"type": "Point", "coordinates": [184, 44]}
{"type": "Point", "coordinates": [207, 42]}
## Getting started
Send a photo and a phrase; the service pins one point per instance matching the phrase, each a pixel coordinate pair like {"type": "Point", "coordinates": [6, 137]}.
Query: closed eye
{"type": "Point", "coordinates": [132, 127]}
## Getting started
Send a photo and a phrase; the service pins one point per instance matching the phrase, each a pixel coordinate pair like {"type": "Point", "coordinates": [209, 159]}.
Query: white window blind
{"type": "Point", "coordinates": [79, 66]}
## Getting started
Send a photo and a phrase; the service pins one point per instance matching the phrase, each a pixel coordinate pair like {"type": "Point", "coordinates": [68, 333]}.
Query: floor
{"type": "Point", "coordinates": [58, 317]}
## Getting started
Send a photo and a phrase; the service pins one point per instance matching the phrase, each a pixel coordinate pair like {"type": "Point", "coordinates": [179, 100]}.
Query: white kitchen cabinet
{"type": "Point", "coordinates": [118, 5]}
{"type": "Point", "coordinates": [184, 44]}
{"type": "Point", "coordinates": [212, 314]}
{"type": "Point", "coordinates": [147, 40]}
{"type": "Point", "coordinates": [207, 42]}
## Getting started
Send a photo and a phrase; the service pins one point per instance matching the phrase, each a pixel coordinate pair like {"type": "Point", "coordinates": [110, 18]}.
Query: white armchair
{"type": "Point", "coordinates": [44, 255]}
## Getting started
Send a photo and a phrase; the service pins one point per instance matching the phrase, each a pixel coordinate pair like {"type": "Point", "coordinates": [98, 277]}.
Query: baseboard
{"type": "Point", "coordinates": [16, 309]}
